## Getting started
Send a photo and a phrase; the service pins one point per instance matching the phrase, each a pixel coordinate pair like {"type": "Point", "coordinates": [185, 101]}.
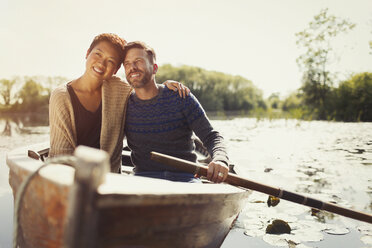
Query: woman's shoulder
{"type": "Point", "coordinates": [117, 83]}
{"type": "Point", "coordinates": [59, 94]}
{"type": "Point", "coordinates": [61, 89]}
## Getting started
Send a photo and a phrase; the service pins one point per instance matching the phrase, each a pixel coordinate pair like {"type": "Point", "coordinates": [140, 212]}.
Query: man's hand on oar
{"type": "Point", "coordinates": [217, 171]}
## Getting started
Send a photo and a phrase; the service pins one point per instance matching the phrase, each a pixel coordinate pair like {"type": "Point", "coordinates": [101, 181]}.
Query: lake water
{"type": "Point", "coordinates": [330, 161]}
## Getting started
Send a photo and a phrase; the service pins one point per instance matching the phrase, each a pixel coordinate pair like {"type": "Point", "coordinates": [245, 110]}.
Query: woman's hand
{"type": "Point", "coordinates": [183, 91]}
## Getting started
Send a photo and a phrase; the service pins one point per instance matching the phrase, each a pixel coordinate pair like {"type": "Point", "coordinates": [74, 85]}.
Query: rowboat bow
{"type": "Point", "coordinates": [128, 211]}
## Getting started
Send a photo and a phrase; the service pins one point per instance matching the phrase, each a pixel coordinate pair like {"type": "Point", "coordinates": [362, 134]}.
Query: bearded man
{"type": "Point", "coordinates": [158, 120]}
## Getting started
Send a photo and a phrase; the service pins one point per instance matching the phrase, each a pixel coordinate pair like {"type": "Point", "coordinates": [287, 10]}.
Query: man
{"type": "Point", "coordinates": [158, 120]}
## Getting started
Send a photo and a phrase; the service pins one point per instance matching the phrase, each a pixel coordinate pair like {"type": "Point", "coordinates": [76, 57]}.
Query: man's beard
{"type": "Point", "coordinates": [139, 84]}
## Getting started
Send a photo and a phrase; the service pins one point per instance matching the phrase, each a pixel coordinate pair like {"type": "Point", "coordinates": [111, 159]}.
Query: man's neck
{"type": "Point", "coordinates": [148, 92]}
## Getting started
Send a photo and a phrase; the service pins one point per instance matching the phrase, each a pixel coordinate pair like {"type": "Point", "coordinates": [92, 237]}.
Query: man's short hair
{"type": "Point", "coordinates": [118, 43]}
{"type": "Point", "coordinates": [139, 44]}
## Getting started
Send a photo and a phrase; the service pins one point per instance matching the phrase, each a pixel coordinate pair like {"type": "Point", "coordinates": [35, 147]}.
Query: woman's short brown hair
{"type": "Point", "coordinates": [118, 42]}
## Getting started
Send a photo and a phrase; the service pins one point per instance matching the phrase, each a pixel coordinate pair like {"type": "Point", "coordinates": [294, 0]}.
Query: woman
{"type": "Point", "coordinates": [90, 110]}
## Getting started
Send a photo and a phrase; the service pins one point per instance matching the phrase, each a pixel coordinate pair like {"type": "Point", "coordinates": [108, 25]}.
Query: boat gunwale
{"type": "Point", "coordinates": [17, 160]}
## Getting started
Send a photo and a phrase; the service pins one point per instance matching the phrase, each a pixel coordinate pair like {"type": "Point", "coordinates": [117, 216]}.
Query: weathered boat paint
{"type": "Point", "coordinates": [133, 211]}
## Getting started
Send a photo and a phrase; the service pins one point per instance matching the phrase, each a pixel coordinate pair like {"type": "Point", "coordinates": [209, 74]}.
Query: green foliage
{"type": "Point", "coordinates": [350, 101]}
{"type": "Point", "coordinates": [216, 91]}
{"type": "Point", "coordinates": [316, 94]}
{"type": "Point", "coordinates": [318, 53]}
{"type": "Point", "coordinates": [32, 95]}
{"type": "Point", "coordinates": [354, 98]}
{"type": "Point", "coordinates": [295, 107]}
{"type": "Point", "coordinates": [6, 91]}
{"type": "Point", "coordinates": [316, 40]}
{"type": "Point", "coordinates": [219, 92]}
{"type": "Point", "coordinates": [292, 101]}
{"type": "Point", "coordinates": [274, 101]}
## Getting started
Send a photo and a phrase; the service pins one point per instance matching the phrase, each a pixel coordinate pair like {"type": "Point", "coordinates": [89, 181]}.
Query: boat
{"type": "Point", "coordinates": [124, 210]}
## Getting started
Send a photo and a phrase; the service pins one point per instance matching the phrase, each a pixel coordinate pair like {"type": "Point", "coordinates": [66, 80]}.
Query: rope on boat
{"type": "Point", "coordinates": [67, 160]}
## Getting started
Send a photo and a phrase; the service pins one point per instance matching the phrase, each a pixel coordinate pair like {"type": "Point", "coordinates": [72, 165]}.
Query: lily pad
{"type": "Point", "coordinates": [277, 240]}
{"type": "Point", "coordinates": [366, 230]}
{"type": "Point", "coordinates": [336, 230]}
{"type": "Point", "coordinates": [314, 211]}
{"type": "Point", "coordinates": [268, 169]}
{"type": "Point", "coordinates": [278, 227]}
{"type": "Point", "coordinates": [366, 240]}
{"type": "Point", "coordinates": [307, 231]}
{"type": "Point", "coordinates": [302, 246]}
{"type": "Point", "coordinates": [272, 201]}
{"type": "Point", "coordinates": [283, 216]}
{"type": "Point", "coordinates": [307, 235]}
{"type": "Point", "coordinates": [306, 224]}
{"type": "Point", "coordinates": [254, 232]}
{"type": "Point", "coordinates": [253, 225]}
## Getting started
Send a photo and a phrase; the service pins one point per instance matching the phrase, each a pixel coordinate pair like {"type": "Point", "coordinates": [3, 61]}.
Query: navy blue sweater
{"type": "Point", "coordinates": [165, 124]}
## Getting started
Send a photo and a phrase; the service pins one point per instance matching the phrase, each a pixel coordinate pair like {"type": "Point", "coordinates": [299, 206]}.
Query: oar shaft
{"type": "Point", "coordinates": [233, 179]}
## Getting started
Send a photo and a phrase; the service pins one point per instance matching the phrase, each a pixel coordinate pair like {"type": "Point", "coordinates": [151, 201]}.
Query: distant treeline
{"type": "Point", "coordinates": [351, 100]}
{"type": "Point", "coordinates": [27, 94]}
{"type": "Point", "coordinates": [216, 91]}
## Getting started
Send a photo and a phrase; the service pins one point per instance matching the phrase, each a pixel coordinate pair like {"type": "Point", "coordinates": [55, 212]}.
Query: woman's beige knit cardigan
{"type": "Point", "coordinates": [63, 139]}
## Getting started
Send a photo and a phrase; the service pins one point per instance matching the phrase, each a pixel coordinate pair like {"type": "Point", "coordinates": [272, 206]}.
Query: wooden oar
{"type": "Point", "coordinates": [232, 179]}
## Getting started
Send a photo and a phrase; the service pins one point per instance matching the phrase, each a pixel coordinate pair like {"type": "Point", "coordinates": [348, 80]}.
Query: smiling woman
{"type": "Point", "coordinates": [90, 110]}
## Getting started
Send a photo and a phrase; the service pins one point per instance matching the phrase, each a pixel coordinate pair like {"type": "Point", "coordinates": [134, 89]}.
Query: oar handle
{"type": "Point", "coordinates": [233, 179]}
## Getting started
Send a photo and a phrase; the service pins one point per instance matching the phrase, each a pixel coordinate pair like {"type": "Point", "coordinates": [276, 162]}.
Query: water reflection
{"type": "Point", "coordinates": [22, 124]}
{"type": "Point", "coordinates": [7, 129]}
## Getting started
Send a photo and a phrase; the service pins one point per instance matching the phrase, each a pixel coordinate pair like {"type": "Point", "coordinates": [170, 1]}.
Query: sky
{"type": "Point", "coordinates": [253, 39]}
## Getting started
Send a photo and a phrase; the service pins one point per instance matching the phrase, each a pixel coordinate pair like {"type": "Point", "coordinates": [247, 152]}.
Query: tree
{"type": "Point", "coordinates": [318, 53]}
{"type": "Point", "coordinates": [293, 101]}
{"type": "Point", "coordinates": [6, 91]}
{"type": "Point", "coordinates": [354, 98]}
{"type": "Point", "coordinates": [33, 96]}
{"type": "Point", "coordinates": [274, 100]}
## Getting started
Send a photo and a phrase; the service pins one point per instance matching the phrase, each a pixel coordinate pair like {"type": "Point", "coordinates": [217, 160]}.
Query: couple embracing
{"type": "Point", "coordinates": [98, 109]}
